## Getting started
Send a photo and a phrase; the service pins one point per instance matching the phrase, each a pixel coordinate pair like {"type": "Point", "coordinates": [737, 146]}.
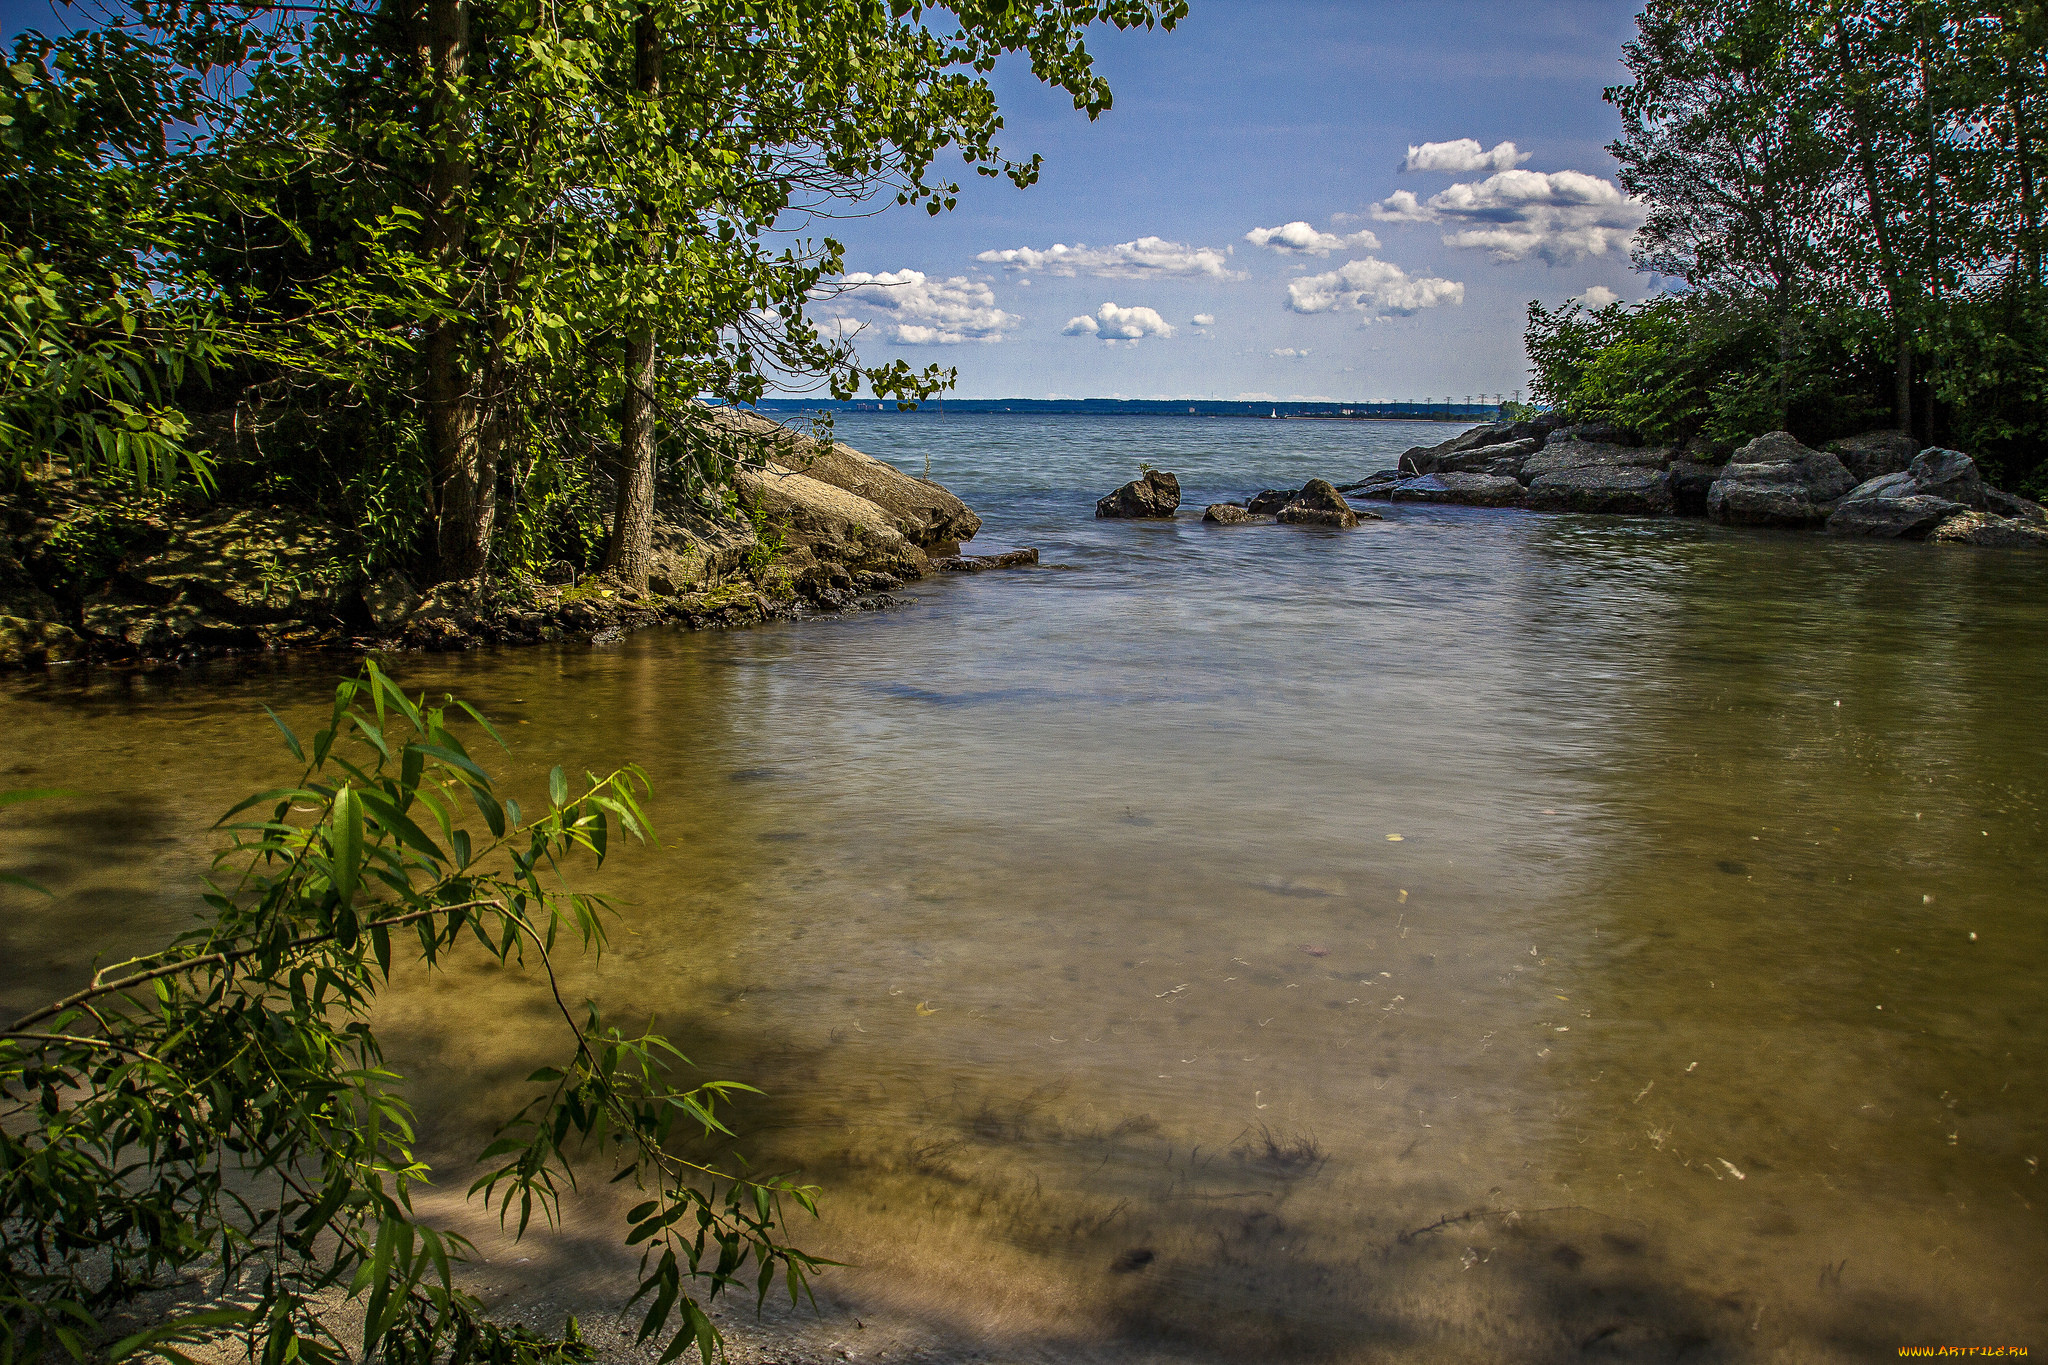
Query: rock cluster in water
{"type": "Point", "coordinates": [87, 574]}
{"type": "Point", "coordinates": [1154, 497]}
{"type": "Point", "coordinates": [1316, 503]}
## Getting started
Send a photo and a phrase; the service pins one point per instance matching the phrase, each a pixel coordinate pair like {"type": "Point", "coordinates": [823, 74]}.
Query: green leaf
{"type": "Point", "coordinates": [291, 741]}
{"type": "Point", "coordinates": [345, 841]}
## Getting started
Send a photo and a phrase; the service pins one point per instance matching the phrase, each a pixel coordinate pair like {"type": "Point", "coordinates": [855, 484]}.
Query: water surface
{"type": "Point", "coordinates": [1477, 936]}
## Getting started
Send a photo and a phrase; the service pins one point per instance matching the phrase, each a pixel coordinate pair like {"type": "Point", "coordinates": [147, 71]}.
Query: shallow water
{"type": "Point", "coordinates": [1660, 1031]}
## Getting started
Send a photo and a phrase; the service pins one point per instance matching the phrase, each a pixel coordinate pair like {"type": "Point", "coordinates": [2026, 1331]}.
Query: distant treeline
{"type": "Point", "coordinates": [1417, 410]}
{"type": "Point", "coordinates": [1849, 193]}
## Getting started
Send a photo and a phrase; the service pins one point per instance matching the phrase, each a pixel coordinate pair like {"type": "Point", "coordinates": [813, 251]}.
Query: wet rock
{"type": "Point", "coordinates": [1155, 496]}
{"type": "Point", "coordinates": [1947, 474]}
{"type": "Point", "coordinates": [1320, 504]}
{"type": "Point", "coordinates": [1562, 454]}
{"type": "Point", "coordinates": [1691, 481]}
{"type": "Point", "coordinates": [1230, 514]}
{"type": "Point", "coordinates": [1493, 458]}
{"type": "Point", "coordinates": [1983, 528]}
{"type": "Point", "coordinates": [28, 643]}
{"type": "Point", "coordinates": [390, 599]}
{"type": "Point", "coordinates": [1009, 559]}
{"type": "Point", "coordinates": [1378, 484]}
{"type": "Point", "coordinates": [1269, 502]}
{"type": "Point", "coordinates": [1775, 481]}
{"type": "Point", "coordinates": [1910, 517]}
{"type": "Point", "coordinates": [1610, 489]}
{"type": "Point", "coordinates": [1461, 489]}
{"type": "Point", "coordinates": [1870, 454]}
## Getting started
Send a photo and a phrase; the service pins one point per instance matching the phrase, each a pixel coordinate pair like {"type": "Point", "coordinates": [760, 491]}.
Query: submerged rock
{"type": "Point", "coordinates": [1775, 481]}
{"type": "Point", "coordinates": [1461, 489]}
{"type": "Point", "coordinates": [1008, 559]}
{"type": "Point", "coordinates": [1230, 514]}
{"type": "Point", "coordinates": [1155, 496]}
{"type": "Point", "coordinates": [1610, 489]}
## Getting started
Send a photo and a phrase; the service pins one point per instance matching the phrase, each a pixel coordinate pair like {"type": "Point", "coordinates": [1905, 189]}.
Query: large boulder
{"type": "Point", "coordinates": [826, 534]}
{"type": "Point", "coordinates": [1428, 459]}
{"type": "Point", "coordinates": [1947, 474]}
{"type": "Point", "coordinates": [1613, 489]}
{"type": "Point", "coordinates": [1562, 454]}
{"type": "Point", "coordinates": [1269, 502]}
{"type": "Point", "coordinates": [1982, 528]}
{"type": "Point", "coordinates": [1461, 489]}
{"type": "Point", "coordinates": [1775, 481]}
{"type": "Point", "coordinates": [1156, 496]}
{"type": "Point", "coordinates": [1502, 458]}
{"type": "Point", "coordinates": [1374, 485]}
{"type": "Point", "coordinates": [922, 511]}
{"type": "Point", "coordinates": [1871, 454]}
{"type": "Point", "coordinates": [1320, 504]}
{"type": "Point", "coordinates": [692, 551]}
{"type": "Point", "coordinates": [1886, 513]}
{"type": "Point", "coordinates": [2013, 505]}
{"type": "Point", "coordinates": [28, 643]}
{"type": "Point", "coordinates": [239, 566]}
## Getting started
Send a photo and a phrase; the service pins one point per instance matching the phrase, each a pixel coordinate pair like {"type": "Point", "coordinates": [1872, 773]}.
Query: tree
{"type": "Point", "coordinates": [224, 1105]}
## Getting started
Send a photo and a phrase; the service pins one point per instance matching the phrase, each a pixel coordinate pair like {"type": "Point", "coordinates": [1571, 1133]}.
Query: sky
{"type": "Point", "coordinates": [1351, 200]}
{"type": "Point", "coordinates": [1335, 199]}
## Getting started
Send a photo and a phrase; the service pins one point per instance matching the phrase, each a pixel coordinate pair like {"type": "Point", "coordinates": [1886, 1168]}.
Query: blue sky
{"type": "Point", "coordinates": [1257, 114]}
{"type": "Point", "coordinates": [1298, 115]}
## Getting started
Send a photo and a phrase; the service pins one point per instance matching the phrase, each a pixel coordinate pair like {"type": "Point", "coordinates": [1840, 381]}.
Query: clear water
{"type": "Point", "coordinates": [1694, 1014]}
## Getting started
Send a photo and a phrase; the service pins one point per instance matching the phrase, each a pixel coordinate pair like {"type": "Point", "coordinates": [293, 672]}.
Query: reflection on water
{"type": "Point", "coordinates": [1693, 1013]}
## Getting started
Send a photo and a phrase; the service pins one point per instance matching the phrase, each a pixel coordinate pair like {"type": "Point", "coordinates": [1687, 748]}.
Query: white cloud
{"type": "Point", "coordinates": [1301, 237]}
{"type": "Point", "coordinates": [1463, 155]}
{"type": "Point", "coordinates": [1113, 324]}
{"type": "Point", "coordinates": [1204, 320]}
{"type": "Point", "coordinates": [922, 311]}
{"type": "Point", "coordinates": [1145, 258]}
{"type": "Point", "coordinates": [1556, 217]}
{"type": "Point", "coordinates": [1373, 287]}
{"type": "Point", "coordinates": [1288, 353]}
{"type": "Point", "coordinates": [1599, 296]}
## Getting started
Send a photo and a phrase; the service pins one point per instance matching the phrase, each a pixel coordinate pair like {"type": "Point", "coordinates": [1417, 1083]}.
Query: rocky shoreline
{"type": "Point", "coordinates": [1877, 485]}
{"type": "Point", "coordinates": [815, 527]}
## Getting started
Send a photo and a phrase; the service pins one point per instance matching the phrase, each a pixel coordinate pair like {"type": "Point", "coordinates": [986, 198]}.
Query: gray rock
{"type": "Point", "coordinates": [1947, 474]}
{"type": "Point", "coordinates": [1156, 496]}
{"type": "Point", "coordinates": [1872, 453]}
{"type": "Point", "coordinates": [2012, 505]}
{"type": "Point", "coordinates": [1612, 489]}
{"type": "Point", "coordinates": [1690, 483]}
{"type": "Point", "coordinates": [1908, 517]}
{"type": "Point", "coordinates": [1320, 504]}
{"type": "Point", "coordinates": [1506, 458]}
{"type": "Point", "coordinates": [1602, 433]}
{"type": "Point", "coordinates": [1008, 559]}
{"type": "Point", "coordinates": [1982, 528]}
{"type": "Point", "coordinates": [1461, 489]}
{"type": "Point", "coordinates": [1230, 514]}
{"type": "Point", "coordinates": [1373, 485]}
{"type": "Point", "coordinates": [1775, 481]}
{"type": "Point", "coordinates": [1561, 454]}
{"type": "Point", "coordinates": [390, 599]}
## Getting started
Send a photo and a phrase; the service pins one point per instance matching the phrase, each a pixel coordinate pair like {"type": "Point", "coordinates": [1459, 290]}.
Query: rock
{"type": "Point", "coordinates": [1947, 474]}
{"type": "Point", "coordinates": [1501, 458]}
{"type": "Point", "coordinates": [691, 551]}
{"type": "Point", "coordinates": [1430, 459]}
{"type": "Point", "coordinates": [1982, 528]}
{"type": "Point", "coordinates": [30, 644]}
{"type": "Point", "coordinates": [1009, 559]}
{"type": "Point", "coordinates": [1269, 502]}
{"type": "Point", "coordinates": [1461, 489]}
{"type": "Point", "coordinates": [253, 566]}
{"type": "Point", "coordinates": [820, 523]}
{"type": "Point", "coordinates": [1320, 504]}
{"type": "Point", "coordinates": [1870, 454]}
{"type": "Point", "coordinates": [1230, 514]}
{"type": "Point", "coordinates": [1690, 483]}
{"type": "Point", "coordinates": [923, 512]}
{"type": "Point", "coordinates": [2012, 505]}
{"type": "Point", "coordinates": [1597, 433]}
{"type": "Point", "coordinates": [1613, 489]}
{"type": "Point", "coordinates": [390, 600]}
{"type": "Point", "coordinates": [1562, 454]}
{"type": "Point", "coordinates": [160, 631]}
{"type": "Point", "coordinates": [1879, 509]}
{"type": "Point", "coordinates": [1775, 481]}
{"type": "Point", "coordinates": [1156, 496]}
{"type": "Point", "coordinates": [1374, 485]}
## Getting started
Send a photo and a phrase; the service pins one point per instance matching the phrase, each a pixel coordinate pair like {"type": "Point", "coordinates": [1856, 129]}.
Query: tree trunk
{"type": "Point", "coordinates": [1887, 258]}
{"type": "Point", "coordinates": [626, 555]}
{"type": "Point", "coordinates": [465, 478]}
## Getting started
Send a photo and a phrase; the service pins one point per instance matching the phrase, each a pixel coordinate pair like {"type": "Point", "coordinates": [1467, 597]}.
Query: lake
{"type": "Point", "coordinates": [1477, 936]}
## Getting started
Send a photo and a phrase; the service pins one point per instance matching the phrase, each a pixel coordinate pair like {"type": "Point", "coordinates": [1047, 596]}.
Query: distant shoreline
{"type": "Point", "coordinates": [1417, 411]}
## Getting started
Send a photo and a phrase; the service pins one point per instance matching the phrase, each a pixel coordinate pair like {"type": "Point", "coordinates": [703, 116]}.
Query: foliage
{"type": "Point", "coordinates": [1848, 193]}
{"type": "Point", "coordinates": [224, 1106]}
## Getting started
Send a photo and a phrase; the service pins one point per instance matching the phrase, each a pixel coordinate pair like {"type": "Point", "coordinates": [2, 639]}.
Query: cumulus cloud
{"type": "Point", "coordinates": [1463, 155]}
{"type": "Point", "coordinates": [1599, 296]}
{"type": "Point", "coordinates": [1302, 239]}
{"type": "Point", "coordinates": [1119, 324]}
{"type": "Point", "coordinates": [1557, 216]}
{"type": "Point", "coordinates": [1145, 258]}
{"type": "Point", "coordinates": [1288, 353]}
{"type": "Point", "coordinates": [1373, 287]}
{"type": "Point", "coordinates": [922, 311]}
{"type": "Point", "coordinates": [1204, 320]}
